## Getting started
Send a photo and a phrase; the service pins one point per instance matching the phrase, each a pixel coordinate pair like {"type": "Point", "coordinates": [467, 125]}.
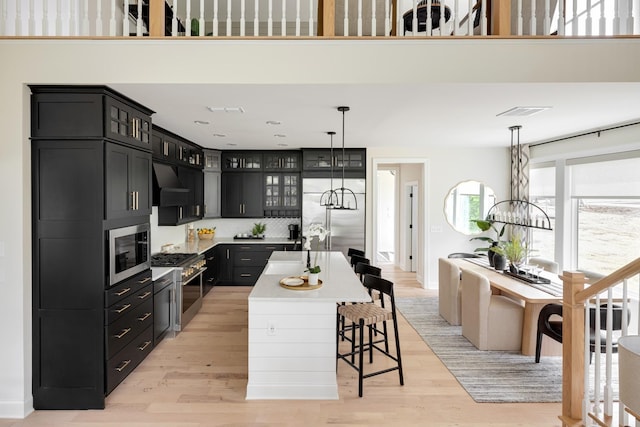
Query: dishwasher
{"type": "Point", "coordinates": [163, 307]}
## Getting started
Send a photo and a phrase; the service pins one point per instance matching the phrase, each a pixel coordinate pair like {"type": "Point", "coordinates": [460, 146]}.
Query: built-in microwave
{"type": "Point", "coordinates": [129, 252]}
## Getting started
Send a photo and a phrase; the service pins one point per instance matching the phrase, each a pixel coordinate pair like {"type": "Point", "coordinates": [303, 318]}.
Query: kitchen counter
{"type": "Point", "coordinates": [201, 246]}
{"type": "Point", "coordinates": [292, 333]}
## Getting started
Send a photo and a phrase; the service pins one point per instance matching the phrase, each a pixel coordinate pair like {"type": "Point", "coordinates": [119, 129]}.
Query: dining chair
{"type": "Point", "coordinates": [552, 327]}
{"type": "Point", "coordinates": [490, 322]}
{"type": "Point", "coordinates": [366, 315]}
{"type": "Point", "coordinates": [354, 251]}
{"type": "Point", "coordinates": [449, 295]}
{"type": "Point", "coordinates": [545, 264]}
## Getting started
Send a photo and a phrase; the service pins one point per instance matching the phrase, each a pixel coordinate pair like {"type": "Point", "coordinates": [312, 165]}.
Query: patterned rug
{"type": "Point", "coordinates": [488, 376]}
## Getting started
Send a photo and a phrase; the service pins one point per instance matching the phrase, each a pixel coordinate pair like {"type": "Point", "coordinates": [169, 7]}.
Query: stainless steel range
{"type": "Point", "coordinates": [188, 283]}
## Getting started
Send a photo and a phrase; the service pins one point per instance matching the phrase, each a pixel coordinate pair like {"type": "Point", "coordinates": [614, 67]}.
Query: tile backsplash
{"type": "Point", "coordinates": [225, 227]}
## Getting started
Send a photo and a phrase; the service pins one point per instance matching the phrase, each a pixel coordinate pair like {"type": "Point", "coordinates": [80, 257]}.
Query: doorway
{"type": "Point", "coordinates": [387, 214]}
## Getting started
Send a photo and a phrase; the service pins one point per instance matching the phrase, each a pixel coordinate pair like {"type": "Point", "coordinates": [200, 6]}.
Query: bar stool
{"type": "Point", "coordinates": [362, 269]}
{"type": "Point", "coordinates": [354, 251]}
{"type": "Point", "coordinates": [368, 314]}
{"type": "Point", "coordinates": [355, 259]}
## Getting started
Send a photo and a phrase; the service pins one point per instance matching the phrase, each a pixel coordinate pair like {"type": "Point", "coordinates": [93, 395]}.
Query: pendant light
{"type": "Point", "coordinates": [346, 197]}
{"type": "Point", "coordinates": [330, 198]}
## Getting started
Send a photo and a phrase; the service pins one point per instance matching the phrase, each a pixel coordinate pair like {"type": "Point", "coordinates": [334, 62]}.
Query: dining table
{"type": "Point", "coordinates": [533, 296]}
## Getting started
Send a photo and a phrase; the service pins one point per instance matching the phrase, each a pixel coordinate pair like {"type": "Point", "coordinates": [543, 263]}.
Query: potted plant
{"type": "Point", "coordinates": [258, 229]}
{"type": "Point", "coordinates": [486, 225]}
{"type": "Point", "coordinates": [515, 251]}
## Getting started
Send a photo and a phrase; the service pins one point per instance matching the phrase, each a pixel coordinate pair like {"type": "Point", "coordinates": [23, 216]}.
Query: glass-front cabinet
{"type": "Point", "coordinates": [279, 160]}
{"type": "Point", "coordinates": [127, 124]}
{"type": "Point", "coordinates": [281, 194]}
{"type": "Point", "coordinates": [242, 160]}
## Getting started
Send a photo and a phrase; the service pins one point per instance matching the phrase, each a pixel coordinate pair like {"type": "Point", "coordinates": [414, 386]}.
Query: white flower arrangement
{"type": "Point", "coordinates": [314, 230]}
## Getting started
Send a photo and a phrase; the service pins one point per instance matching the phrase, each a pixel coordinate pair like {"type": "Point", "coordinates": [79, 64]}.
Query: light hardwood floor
{"type": "Point", "coordinates": [199, 379]}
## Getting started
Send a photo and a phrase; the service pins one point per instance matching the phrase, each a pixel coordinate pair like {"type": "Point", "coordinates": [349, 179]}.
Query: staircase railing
{"type": "Point", "coordinates": [582, 403]}
{"type": "Point", "coordinates": [317, 18]}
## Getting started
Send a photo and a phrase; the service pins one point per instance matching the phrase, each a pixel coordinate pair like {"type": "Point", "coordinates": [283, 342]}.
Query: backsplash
{"type": "Point", "coordinates": [225, 227]}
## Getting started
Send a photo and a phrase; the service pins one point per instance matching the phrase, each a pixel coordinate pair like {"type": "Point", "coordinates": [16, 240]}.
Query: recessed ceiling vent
{"type": "Point", "coordinates": [522, 111]}
{"type": "Point", "coordinates": [226, 109]}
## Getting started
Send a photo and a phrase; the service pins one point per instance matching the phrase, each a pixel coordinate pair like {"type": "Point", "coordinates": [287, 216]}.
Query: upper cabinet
{"type": "Point", "coordinates": [282, 160]}
{"type": "Point", "coordinates": [319, 162]}
{"type": "Point", "coordinates": [171, 148]}
{"type": "Point", "coordinates": [127, 124]}
{"type": "Point", "coordinates": [248, 161]}
{"type": "Point", "coordinates": [212, 161]}
{"type": "Point", "coordinates": [127, 182]}
{"type": "Point", "coordinates": [89, 112]}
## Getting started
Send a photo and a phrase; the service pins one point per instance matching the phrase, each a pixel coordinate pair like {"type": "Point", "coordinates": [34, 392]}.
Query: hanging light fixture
{"type": "Point", "coordinates": [330, 198]}
{"type": "Point", "coordinates": [346, 197]}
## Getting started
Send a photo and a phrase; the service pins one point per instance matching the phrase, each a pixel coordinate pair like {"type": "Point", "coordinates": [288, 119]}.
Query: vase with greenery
{"type": "Point", "coordinates": [486, 225]}
{"type": "Point", "coordinates": [515, 251]}
{"type": "Point", "coordinates": [314, 230]}
{"type": "Point", "coordinates": [258, 229]}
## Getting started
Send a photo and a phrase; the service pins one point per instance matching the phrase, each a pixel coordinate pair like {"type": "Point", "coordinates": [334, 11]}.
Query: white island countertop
{"type": "Point", "coordinates": [339, 282]}
{"type": "Point", "coordinates": [292, 333]}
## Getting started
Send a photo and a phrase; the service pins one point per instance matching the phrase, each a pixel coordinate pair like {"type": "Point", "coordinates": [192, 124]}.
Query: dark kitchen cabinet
{"type": "Point", "coordinates": [282, 160]}
{"type": "Point", "coordinates": [164, 145]}
{"type": "Point", "coordinates": [193, 210]}
{"type": "Point", "coordinates": [210, 276]}
{"type": "Point", "coordinates": [85, 181]}
{"type": "Point", "coordinates": [250, 161]}
{"type": "Point", "coordinates": [127, 124]}
{"type": "Point", "coordinates": [171, 148]}
{"type": "Point", "coordinates": [128, 182]}
{"type": "Point", "coordinates": [242, 195]}
{"type": "Point", "coordinates": [89, 112]}
{"type": "Point", "coordinates": [212, 192]}
{"type": "Point", "coordinates": [319, 162]}
{"type": "Point", "coordinates": [281, 194]}
{"type": "Point", "coordinates": [242, 264]}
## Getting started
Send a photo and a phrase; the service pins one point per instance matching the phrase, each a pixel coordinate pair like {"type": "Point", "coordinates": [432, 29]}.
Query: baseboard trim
{"type": "Point", "coordinates": [16, 409]}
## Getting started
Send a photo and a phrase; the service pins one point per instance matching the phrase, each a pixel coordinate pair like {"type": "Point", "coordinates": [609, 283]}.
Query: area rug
{"type": "Point", "coordinates": [488, 376]}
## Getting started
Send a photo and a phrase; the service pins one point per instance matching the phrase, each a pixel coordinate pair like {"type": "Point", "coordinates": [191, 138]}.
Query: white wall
{"type": "Point", "coordinates": [233, 61]}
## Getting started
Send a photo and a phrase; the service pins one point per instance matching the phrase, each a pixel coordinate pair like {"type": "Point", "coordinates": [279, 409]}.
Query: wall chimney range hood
{"type": "Point", "coordinates": [167, 188]}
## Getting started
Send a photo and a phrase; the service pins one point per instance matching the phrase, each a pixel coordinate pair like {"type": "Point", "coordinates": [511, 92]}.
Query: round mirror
{"type": "Point", "coordinates": [465, 202]}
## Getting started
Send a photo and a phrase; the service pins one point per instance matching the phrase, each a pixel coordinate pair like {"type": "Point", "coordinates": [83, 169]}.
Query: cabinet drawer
{"type": "Point", "coordinates": [127, 288]}
{"type": "Point", "coordinates": [122, 331]}
{"type": "Point", "coordinates": [246, 276]}
{"type": "Point", "coordinates": [122, 363]}
{"type": "Point", "coordinates": [250, 258]}
{"type": "Point", "coordinates": [127, 305]}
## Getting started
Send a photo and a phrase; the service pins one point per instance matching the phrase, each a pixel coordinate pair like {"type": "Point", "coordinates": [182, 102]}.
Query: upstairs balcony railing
{"type": "Point", "coordinates": [318, 18]}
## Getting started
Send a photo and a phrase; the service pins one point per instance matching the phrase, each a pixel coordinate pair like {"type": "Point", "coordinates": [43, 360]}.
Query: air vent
{"type": "Point", "coordinates": [522, 111]}
{"type": "Point", "coordinates": [226, 109]}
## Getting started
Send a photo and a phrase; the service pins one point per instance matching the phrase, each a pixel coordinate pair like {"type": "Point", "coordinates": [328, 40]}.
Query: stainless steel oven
{"type": "Point", "coordinates": [188, 278]}
{"type": "Point", "coordinates": [129, 252]}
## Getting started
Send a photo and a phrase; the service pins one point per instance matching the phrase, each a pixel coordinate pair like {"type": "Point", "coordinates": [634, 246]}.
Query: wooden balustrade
{"type": "Point", "coordinates": [575, 345]}
{"type": "Point", "coordinates": [296, 18]}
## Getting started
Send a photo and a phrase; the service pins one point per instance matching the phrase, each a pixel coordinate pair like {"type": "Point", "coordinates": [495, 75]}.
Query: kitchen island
{"type": "Point", "coordinates": [292, 333]}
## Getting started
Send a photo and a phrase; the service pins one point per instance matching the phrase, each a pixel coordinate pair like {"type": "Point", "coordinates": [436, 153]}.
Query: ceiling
{"type": "Point", "coordinates": [394, 115]}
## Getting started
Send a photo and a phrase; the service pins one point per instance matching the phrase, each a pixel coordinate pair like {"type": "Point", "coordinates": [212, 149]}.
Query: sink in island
{"type": "Point", "coordinates": [292, 333]}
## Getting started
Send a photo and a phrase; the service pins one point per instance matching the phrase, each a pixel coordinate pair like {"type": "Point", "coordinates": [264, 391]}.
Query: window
{"type": "Point", "coordinates": [542, 189]}
{"type": "Point", "coordinates": [606, 211]}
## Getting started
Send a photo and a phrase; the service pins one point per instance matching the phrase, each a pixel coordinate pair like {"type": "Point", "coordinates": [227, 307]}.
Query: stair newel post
{"type": "Point", "coordinates": [573, 335]}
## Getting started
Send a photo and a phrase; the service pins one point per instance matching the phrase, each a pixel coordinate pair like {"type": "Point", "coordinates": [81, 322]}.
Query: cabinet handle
{"type": "Point", "coordinates": [245, 259]}
{"type": "Point", "coordinates": [145, 280]}
{"type": "Point", "coordinates": [227, 253]}
{"type": "Point", "coordinates": [123, 365]}
{"type": "Point", "coordinates": [165, 148]}
{"type": "Point", "coordinates": [124, 332]}
{"type": "Point", "coordinates": [145, 345]}
{"type": "Point", "coordinates": [133, 200]}
{"type": "Point", "coordinates": [145, 317]}
{"type": "Point", "coordinates": [245, 275]}
{"type": "Point", "coordinates": [211, 258]}
{"type": "Point", "coordinates": [143, 296]}
{"type": "Point", "coordinates": [122, 292]}
{"type": "Point", "coordinates": [180, 212]}
{"type": "Point", "coordinates": [124, 307]}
